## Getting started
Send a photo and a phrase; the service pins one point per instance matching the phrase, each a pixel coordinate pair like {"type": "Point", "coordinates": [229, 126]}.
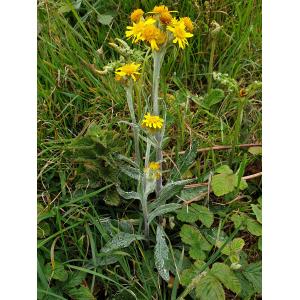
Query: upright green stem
{"type": "Point", "coordinates": [157, 62]}
{"type": "Point", "coordinates": [129, 96]}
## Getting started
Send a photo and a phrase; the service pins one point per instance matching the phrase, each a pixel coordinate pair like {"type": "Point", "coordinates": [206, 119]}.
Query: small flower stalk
{"type": "Point", "coordinates": [155, 31]}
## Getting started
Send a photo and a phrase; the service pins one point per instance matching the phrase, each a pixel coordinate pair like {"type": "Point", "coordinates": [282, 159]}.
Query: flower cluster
{"type": "Point", "coordinates": [159, 27]}
{"type": "Point", "coordinates": [153, 170]}
{"type": "Point", "coordinates": [128, 70]}
{"type": "Point", "coordinates": [152, 123]}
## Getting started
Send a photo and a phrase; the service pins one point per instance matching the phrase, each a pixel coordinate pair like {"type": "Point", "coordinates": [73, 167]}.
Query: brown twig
{"type": "Point", "coordinates": [194, 185]}
{"type": "Point", "coordinates": [224, 147]}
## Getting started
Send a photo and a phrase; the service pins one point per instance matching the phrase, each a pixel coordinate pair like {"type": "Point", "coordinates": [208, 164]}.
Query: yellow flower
{"type": "Point", "coordinates": [137, 29]}
{"type": "Point", "coordinates": [154, 166]}
{"type": "Point", "coordinates": [188, 24]}
{"type": "Point", "coordinates": [160, 9]}
{"type": "Point", "coordinates": [130, 70]}
{"type": "Point", "coordinates": [136, 15]}
{"type": "Point", "coordinates": [152, 122]}
{"type": "Point", "coordinates": [153, 36]}
{"type": "Point", "coordinates": [179, 32]}
{"type": "Point", "coordinates": [153, 170]}
{"type": "Point", "coordinates": [165, 17]}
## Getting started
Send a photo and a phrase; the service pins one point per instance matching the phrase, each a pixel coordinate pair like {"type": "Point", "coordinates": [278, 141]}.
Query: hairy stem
{"type": "Point", "coordinates": [157, 62]}
{"type": "Point", "coordinates": [129, 96]}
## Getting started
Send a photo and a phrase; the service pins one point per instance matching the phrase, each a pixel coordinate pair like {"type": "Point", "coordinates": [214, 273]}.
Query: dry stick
{"type": "Point", "coordinates": [194, 185]}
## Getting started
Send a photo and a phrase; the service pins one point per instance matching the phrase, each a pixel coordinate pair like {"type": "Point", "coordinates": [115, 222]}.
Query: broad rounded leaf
{"type": "Point", "coordinates": [105, 19]}
{"type": "Point", "coordinates": [226, 276]}
{"type": "Point", "coordinates": [223, 184]}
{"type": "Point", "coordinates": [209, 288]}
{"type": "Point", "coordinates": [254, 227]}
{"type": "Point", "coordinates": [233, 247]}
{"type": "Point", "coordinates": [257, 212]}
{"type": "Point", "coordinates": [58, 272]}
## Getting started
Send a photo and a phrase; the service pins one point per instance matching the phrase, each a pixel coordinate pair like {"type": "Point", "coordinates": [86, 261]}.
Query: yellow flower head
{"type": "Point", "coordinates": [153, 36]}
{"type": "Point", "coordinates": [153, 170]}
{"type": "Point", "coordinates": [136, 15]}
{"type": "Point", "coordinates": [188, 24]}
{"type": "Point", "coordinates": [160, 9]}
{"type": "Point", "coordinates": [154, 165]}
{"type": "Point", "coordinates": [152, 122]}
{"type": "Point", "coordinates": [180, 34]}
{"type": "Point", "coordinates": [130, 70]}
{"type": "Point", "coordinates": [165, 17]}
{"type": "Point", "coordinates": [135, 31]}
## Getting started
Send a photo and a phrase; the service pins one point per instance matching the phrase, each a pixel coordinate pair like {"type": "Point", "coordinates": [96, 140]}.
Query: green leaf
{"type": "Point", "coordinates": [223, 184]}
{"type": "Point", "coordinates": [67, 8]}
{"type": "Point", "coordinates": [81, 293]}
{"type": "Point", "coordinates": [226, 276]}
{"type": "Point", "coordinates": [112, 198]}
{"type": "Point", "coordinates": [184, 162]}
{"type": "Point", "coordinates": [74, 279]}
{"type": "Point", "coordinates": [209, 288]}
{"type": "Point", "coordinates": [214, 96]}
{"type": "Point", "coordinates": [163, 209]}
{"type": "Point", "coordinates": [58, 272]}
{"type": "Point", "coordinates": [104, 19]}
{"type": "Point", "coordinates": [259, 243]}
{"type": "Point", "coordinates": [196, 212]}
{"type": "Point", "coordinates": [243, 184]}
{"type": "Point", "coordinates": [161, 253]}
{"type": "Point", "coordinates": [189, 274]}
{"type": "Point", "coordinates": [128, 195]}
{"type": "Point", "coordinates": [257, 212]}
{"type": "Point", "coordinates": [255, 150]}
{"type": "Point", "coordinates": [254, 227]}
{"type": "Point", "coordinates": [238, 220]}
{"type": "Point", "coordinates": [193, 237]}
{"type": "Point", "coordinates": [224, 169]}
{"type": "Point", "coordinates": [247, 290]}
{"type": "Point", "coordinates": [233, 247]}
{"type": "Point", "coordinates": [43, 230]}
{"type": "Point", "coordinates": [253, 273]}
{"type": "Point", "coordinates": [120, 240]}
{"type": "Point", "coordinates": [168, 191]}
{"type": "Point", "coordinates": [197, 253]}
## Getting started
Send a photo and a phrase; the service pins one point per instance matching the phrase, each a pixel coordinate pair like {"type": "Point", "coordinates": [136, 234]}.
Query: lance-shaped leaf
{"type": "Point", "coordinates": [120, 240]}
{"type": "Point", "coordinates": [163, 209]}
{"type": "Point", "coordinates": [128, 195]}
{"type": "Point", "coordinates": [168, 191]}
{"type": "Point", "coordinates": [161, 253]}
{"type": "Point", "coordinates": [131, 171]}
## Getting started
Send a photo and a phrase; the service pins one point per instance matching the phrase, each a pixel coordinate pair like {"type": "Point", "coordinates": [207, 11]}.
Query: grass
{"type": "Point", "coordinates": [74, 220]}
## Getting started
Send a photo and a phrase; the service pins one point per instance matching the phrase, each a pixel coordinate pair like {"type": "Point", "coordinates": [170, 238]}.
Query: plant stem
{"type": "Point", "coordinates": [157, 62]}
{"type": "Point", "coordinates": [129, 96]}
{"type": "Point", "coordinates": [211, 63]}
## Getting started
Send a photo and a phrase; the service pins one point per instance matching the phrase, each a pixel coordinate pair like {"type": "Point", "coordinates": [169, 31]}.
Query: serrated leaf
{"type": "Point", "coordinates": [81, 293]}
{"type": "Point", "coordinates": [197, 253]}
{"type": "Point", "coordinates": [233, 247]}
{"type": "Point", "coordinates": [58, 272]}
{"type": "Point", "coordinates": [209, 288]}
{"type": "Point", "coordinates": [254, 227]}
{"type": "Point", "coordinates": [255, 150]}
{"type": "Point", "coordinates": [257, 212]}
{"type": "Point", "coordinates": [161, 253]}
{"type": "Point", "coordinates": [74, 279]}
{"type": "Point", "coordinates": [193, 237]}
{"type": "Point", "coordinates": [120, 240]}
{"type": "Point", "coordinates": [224, 169]}
{"type": "Point", "coordinates": [184, 162]}
{"type": "Point", "coordinates": [226, 276]}
{"type": "Point", "coordinates": [253, 273]}
{"type": "Point", "coordinates": [196, 212]}
{"type": "Point", "coordinates": [104, 19]}
{"type": "Point", "coordinates": [247, 290]}
{"type": "Point", "coordinates": [238, 220]}
{"type": "Point", "coordinates": [223, 184]}
{"type": "Point", "coordinates": [189, 274]}
{"type": "Point", "coordinates": [163, 209]}
{"type": "Point", "coordinates": [112, 198]}
{"type": "Point", "coordinates": [214, 96]}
